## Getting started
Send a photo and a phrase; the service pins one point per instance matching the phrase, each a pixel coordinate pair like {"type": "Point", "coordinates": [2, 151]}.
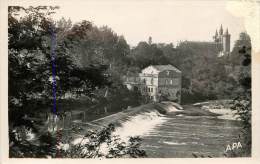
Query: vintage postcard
{"type": "Point", "coordinates": [128, 79]}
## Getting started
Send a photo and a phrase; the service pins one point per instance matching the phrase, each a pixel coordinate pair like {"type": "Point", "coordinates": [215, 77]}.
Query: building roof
{"type": "Point", "coordinates": [161, 68]}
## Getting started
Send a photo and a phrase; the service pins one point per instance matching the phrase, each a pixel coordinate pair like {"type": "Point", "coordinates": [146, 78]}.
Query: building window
{"type": "Point", "coordinates": [150, 89]}
{"type": "Point", "coordinates": [168, 73]}
{"type": "Point", "coordinates": [171, 82]}
{"type": "Point", "coordinates": [166, 81]}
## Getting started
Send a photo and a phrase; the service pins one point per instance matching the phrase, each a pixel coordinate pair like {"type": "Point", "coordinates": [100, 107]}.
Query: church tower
{"type": "Point", "coordinates": [222, 41]}
{"type": "Point", "coordinates": [150, 40]}
{"type": "Point", "coordinates": [226, 43]}
{"type": "Point", "coordinates": [221, 30]}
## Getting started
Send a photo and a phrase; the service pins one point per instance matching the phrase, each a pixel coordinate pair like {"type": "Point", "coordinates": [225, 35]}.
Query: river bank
{"type": "Point", "coordinates": [164, 108]}
{"type": "Point", "coordinates": [220, 107]}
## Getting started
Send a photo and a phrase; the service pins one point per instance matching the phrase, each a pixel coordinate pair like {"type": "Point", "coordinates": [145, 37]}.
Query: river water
{"type": "Point", "coordinates": [170, 136]}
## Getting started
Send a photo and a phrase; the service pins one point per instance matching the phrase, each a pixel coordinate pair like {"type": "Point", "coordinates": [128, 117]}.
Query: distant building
{"type": "Point", "coordinates": [222, 41]}
{"type": "Point", "coordinates": [157, 82]}
{"type": "Point", "coordinates": [150, 40]}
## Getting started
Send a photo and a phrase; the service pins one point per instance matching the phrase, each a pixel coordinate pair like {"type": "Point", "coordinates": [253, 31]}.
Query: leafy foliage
{"type": "Point", "coordinates": [31, 67]}
{"type": "Point", "coordinates": [21, 147]}
{"type": "Point", "coordinates": [145, 54]}
{"type": "Point", "coordinates": [242, 103]}
{"type": "Point", "coordinates": [104, 144]}
{"type": "Point", "coordinates": [40, 48]}
{"type": "Point", "coordinates": [94, 144]}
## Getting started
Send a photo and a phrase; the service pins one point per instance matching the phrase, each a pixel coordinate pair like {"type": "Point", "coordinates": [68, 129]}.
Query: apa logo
{"type": "Point", "coordinates": [235, 145]}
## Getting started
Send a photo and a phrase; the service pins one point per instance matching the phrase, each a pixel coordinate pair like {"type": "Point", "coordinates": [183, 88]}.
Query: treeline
{"type": "Point", "coordinates": [205, 75]}
{"type": "Point", "coordinates": [91, 60]}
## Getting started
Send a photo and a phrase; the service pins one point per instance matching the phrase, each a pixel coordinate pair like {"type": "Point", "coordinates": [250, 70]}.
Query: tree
{"type": "Point", "coordinates": [41, 69]}
{"type": "Point", "coordinates": [242, 104]}
{"type": "Point", "coordinates": [235, 57]}
{"type": "Point", "coordinates": [44, 65]}
{"type": "Point", "coordinates": [145, 55]}
{"type": "Point", "coordinates": [31, 66]}
{"type": "Point", "coordinates": [25, 55]}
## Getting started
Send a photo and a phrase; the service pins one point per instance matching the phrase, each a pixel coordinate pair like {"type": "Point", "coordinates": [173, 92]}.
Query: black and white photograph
{"type": "Point", "coordinates": [130, 79]}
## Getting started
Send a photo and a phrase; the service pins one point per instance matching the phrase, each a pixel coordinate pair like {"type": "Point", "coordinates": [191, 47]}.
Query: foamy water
{"type": "Point", "coordinates": [180, 136]}
{"type": "Point", "coordinates": [140, 125]}
{"type": "Point", "coordinates": [174, 143]}
{"type": "Point", "coordinates": [176, 136]}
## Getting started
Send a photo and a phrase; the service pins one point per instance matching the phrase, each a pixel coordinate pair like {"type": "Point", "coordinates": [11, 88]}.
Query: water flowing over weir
{"type": "Point", "coordinates": [144, 123]}
{"type": "Point", "coordinates": [168, 131]}
{"type": "Point", "coordinates": [139, 125]}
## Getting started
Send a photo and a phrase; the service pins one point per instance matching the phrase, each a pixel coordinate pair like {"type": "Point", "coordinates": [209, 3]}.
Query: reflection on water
{"type": "Point", "coordinates": [180, 136]}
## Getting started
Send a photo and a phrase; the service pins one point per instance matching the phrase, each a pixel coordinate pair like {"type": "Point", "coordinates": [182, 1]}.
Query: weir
{"type": "Point", "coordinates": [137, 120]}
{"type": "Point", "coordinates": [167, 129]}
{"type": "Point", "coordinates": [118, 118]}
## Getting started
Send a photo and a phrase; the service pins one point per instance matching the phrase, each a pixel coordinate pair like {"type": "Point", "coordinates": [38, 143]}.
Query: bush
{"type": "Point", "coordinates": [242, 104]}
{"type": "Point", "coordinates": [94, 144]}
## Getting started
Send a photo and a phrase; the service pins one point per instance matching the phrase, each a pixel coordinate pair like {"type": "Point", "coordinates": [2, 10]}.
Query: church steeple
{"type": "Point", "coordinates": [221, 30]}
{"type": "Point", "coordinates": [222, 41]}
{"type": "Point", "coordinates": [215, 37]}
{"type": "Point", "coordinates": [150, 40]}
{"type": "Point", "coordinates": [226, 33]}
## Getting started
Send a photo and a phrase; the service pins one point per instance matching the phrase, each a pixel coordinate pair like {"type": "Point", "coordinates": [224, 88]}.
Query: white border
{"type": "Point", "coordinates": [255, 25]}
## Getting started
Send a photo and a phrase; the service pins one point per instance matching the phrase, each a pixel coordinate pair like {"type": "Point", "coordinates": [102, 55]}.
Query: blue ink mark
{"type": "Point", "coordinates": [53, 55]}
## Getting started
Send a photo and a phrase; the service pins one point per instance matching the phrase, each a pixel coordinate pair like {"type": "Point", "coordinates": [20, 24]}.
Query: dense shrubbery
{"type": "Point", "coordinates": [94, 144]}
{"type": "Point", "coordinates": [242, 104]}
{"type": "Point", "coordinates": [103, 144]}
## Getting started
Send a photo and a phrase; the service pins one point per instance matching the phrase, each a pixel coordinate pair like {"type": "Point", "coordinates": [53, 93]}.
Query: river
{"type": "Point", "coordinates": [171, 136]}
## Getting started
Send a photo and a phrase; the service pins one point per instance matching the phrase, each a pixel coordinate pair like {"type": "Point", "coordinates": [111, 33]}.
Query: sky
{"type": "Point", "coordinates": [164, 21]}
